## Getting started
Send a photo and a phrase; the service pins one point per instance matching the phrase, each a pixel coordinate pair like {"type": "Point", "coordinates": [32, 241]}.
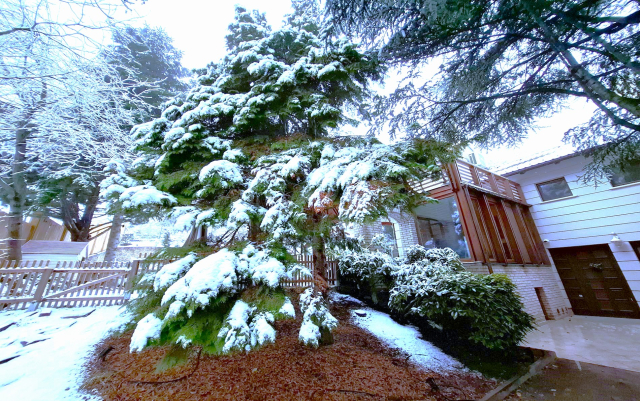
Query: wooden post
{"type": "Point", "coordinates": [470, 225]}
{"type": "Point", "coordinates": [133, 272]}
{"type": "Point", "coordinates": [42, 285]}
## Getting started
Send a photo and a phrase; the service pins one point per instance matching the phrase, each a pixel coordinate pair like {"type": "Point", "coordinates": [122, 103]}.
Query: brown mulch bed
{"type": "Point", "coordinates": [356, 367]}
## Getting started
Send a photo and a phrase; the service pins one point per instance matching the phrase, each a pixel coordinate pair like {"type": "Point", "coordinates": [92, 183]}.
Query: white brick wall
{"type": "Point", "coordinates": [527, 279]}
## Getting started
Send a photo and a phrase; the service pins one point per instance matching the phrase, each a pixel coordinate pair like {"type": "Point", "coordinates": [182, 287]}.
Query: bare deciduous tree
{"type": "Point", "coordinates": [61, 102]}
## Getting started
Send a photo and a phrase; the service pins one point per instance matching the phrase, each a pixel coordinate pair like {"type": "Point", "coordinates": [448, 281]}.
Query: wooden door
{"type": "Point", "coordinates": [594, 282]}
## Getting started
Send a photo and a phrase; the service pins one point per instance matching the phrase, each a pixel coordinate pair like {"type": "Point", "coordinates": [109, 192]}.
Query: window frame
{"type": "Point", "coordinates": [637, 165]}
{"type": "Point", "coordinates": [462, 221]}
{"type": "Point", "coordinates": [550, 181]}
{"type": "Point", "coordinates": [396, 248]}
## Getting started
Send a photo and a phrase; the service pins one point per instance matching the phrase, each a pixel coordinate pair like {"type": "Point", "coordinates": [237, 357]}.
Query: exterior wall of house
{"type": "Point", "coordinates": [589, 216]}
{"type": "Point", "coordinates": [405, 229]}
{"type": "Point", "coordinates": [526, 278]}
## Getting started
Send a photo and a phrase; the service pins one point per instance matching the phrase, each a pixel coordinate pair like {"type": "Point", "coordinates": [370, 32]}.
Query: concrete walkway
{"type": "Point", "coordinates": [566, 380]}
{"type": "Point", "coordinates": [605, 341]}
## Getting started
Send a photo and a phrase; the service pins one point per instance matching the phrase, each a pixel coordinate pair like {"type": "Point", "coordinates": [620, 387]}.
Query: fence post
{"type": "Point", "coordinates": [42, 285]}
{"type": "Point", "coordinates": [133, 272]}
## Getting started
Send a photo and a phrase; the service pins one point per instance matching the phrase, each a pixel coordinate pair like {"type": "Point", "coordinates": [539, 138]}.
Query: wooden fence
{"type": "Point", "coordinates": [298, 280]}
{"type": "Point", "coordinates": [301, 280]}
{"type": "Point", "coordinates": [65, 284]}
{"type": "Point", "coordinates": [75, 284]}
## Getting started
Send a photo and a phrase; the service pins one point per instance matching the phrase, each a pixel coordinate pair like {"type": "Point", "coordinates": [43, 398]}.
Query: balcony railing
{"type": "Point", "coordinates": [486, 180]}
{"type": "Point", "coordinates": [465, 173]}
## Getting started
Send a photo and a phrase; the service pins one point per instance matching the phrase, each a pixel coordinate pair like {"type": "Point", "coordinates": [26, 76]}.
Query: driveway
{"type": "Point", "coordinates": [567, 380]}
{"type": "Point", "coordinates": [606, 341]}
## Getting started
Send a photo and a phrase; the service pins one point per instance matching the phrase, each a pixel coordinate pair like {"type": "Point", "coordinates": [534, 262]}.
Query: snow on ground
{"type": "Point", "coordinates": [50, 369]}
{"type": "Point", "coordinates": [344, 300]}
{"type": "Point", "coordinates": [406, 338]}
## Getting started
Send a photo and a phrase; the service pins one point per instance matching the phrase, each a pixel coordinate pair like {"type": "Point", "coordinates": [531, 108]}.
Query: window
{"type": "Point", "coordinates": [389, 232]}
{"type": "Point", "coordinates": [629, 174]}
{"type": "Point", "coordinates": [554, 189]}
{"type": "Point", "coordinates": [439, 226]}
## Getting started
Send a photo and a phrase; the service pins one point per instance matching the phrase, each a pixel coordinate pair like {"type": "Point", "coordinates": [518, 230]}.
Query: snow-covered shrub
{"type": "Point", "coordinates": [368, 271]}
{"type": "Point", "coordinates": [432, 284]}
{"type": "Point", "coordinates": [484, 309]}
{"type": "Point", "coordinates": [317, 322]}
{"type": "Point", "coordinates": [365, 264]}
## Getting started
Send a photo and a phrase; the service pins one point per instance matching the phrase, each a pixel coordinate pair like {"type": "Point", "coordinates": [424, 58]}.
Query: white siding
{"type": "Point", "coordinates": [589, 216]}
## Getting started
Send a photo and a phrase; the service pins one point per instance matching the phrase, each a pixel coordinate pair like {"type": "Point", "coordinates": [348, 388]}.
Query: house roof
{"type": "Point", "coordinates": [537, 160]}
{"type": "Point", "coordinates": [54, 247]}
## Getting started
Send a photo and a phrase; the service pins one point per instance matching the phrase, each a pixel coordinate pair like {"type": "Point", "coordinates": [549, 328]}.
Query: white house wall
{"type": "Point", "coordinates": [526, 278]}
{"type": "Point", "coordinates": [404, 225]}
{"type": "Point", "coordinates": [589, 216]}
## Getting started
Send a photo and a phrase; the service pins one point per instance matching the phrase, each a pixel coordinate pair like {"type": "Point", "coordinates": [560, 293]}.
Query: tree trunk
{"type": "Point", "coordinates": [319, 264]}
{"type": "Point", "coordinates": [197, 234]}
{"type": "Point", "coordinates": [114, 237]}
{"type": "Point", "coordinates": [79, 228]}
{"type": "Point", "coordinates": [19, 187]}
{"type": "Point", "coordinates": [254, 231]}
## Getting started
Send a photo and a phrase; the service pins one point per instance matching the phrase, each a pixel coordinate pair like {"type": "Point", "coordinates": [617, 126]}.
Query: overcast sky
{"type": "Point", "coordinates": [198, 28]}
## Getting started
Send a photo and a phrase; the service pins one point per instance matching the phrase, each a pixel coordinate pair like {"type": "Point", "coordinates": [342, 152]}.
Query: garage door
{"type": "Point", "coordinates": [594, 283]}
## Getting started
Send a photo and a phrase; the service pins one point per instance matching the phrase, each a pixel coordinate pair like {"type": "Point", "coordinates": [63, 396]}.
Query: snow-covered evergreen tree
{"type": "Point", "coordinates": [252, 152]}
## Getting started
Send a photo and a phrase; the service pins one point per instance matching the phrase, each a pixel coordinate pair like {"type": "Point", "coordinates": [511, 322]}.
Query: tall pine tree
{"type": "Point", "coordinates": [253, 153]}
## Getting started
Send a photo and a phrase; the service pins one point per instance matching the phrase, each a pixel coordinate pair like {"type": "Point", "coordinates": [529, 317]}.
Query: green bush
{"type": "Point", "coordinates": [432, 284]}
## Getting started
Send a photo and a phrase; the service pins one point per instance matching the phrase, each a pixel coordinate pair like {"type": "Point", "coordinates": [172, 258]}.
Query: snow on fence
{"type": "Point", "coordinates": [75, 284]}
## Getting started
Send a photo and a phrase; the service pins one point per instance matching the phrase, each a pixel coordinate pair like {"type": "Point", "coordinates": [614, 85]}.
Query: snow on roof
{"type": "Point", "coordinates": [54, 247]}
{"type": "Point", "coordinates": [537, 159]}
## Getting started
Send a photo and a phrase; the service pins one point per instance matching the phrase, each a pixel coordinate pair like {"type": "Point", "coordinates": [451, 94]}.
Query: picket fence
{"type": "Point", "coordinates": [74, 284]}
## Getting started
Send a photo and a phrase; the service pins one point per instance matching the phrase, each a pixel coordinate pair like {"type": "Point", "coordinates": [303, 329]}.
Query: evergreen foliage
{"type": "Point", "coordinates": [64, 176]}
{"type": "Point", "coordinates": [149, 65]}
{"type": "Point", "coordinates": [224, 302]}
{"type": "Point", "coordinates": [252, 153]}
{"type": "Point", "coordinates": [505, 63]}
{"type": "Point", "coordinates": [432, 284]}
